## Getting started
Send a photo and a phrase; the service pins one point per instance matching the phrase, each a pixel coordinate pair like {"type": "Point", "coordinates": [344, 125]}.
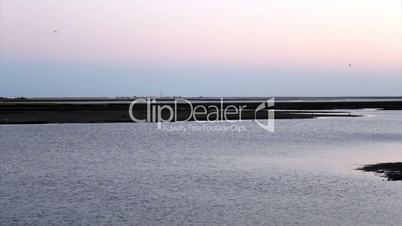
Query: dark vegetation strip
{"type": "Point", "coordinates": [78, 112]}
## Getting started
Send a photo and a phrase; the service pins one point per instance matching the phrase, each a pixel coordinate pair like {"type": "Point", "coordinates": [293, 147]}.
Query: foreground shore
{"type": "Point", "coordinates": [392, 171]}
{"type": "Point", "coordinates": [34, 111]}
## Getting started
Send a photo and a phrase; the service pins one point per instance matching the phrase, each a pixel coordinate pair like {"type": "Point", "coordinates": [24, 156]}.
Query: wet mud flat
{"type": "Point", "coordinates": [392, 170]}
{"type": "Point", "coordinates": [41, 112]}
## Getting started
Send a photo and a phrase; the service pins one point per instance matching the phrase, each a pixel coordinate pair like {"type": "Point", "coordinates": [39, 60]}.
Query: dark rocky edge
{"type": "Point", "coordinates": [392, 171]}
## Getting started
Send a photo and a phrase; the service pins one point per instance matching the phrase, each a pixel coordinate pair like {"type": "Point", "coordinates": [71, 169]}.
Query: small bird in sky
{"type": "Point", "coordinates": [350, 65]}
{"type": "Point", "coordinates": [55, 31]}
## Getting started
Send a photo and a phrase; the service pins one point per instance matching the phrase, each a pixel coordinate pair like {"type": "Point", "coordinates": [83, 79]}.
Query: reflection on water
{"type": "Point", "coordinates": [332, 160]}
{"type": "Point", "coordinates": [134, 173]}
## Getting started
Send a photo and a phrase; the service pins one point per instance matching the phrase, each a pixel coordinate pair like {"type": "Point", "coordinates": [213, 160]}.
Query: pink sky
{"type": "Point", "coordinates": [311, 33]}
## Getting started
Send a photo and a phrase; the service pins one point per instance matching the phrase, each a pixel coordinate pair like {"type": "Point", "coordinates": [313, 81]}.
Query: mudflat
{"type": "Point", "coordinates": [34, 111]}
{"type": "Point", "coordinates": [392, 170]}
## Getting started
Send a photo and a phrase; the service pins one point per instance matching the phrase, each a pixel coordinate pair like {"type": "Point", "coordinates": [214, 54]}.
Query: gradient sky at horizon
{"type": "Point", "coordinates": [200, 48]}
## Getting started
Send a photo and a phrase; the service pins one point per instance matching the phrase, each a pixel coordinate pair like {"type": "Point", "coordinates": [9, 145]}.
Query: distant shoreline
{"type": "Point", "coordinates": [109, 110]}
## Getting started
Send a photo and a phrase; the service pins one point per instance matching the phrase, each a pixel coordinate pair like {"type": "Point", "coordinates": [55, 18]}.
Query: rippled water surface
{"type": "Point", "coordinates": [137, 174]}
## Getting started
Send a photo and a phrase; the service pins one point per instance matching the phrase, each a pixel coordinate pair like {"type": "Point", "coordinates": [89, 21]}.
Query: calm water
{"type": "Point", "coordinates": [136, 174]}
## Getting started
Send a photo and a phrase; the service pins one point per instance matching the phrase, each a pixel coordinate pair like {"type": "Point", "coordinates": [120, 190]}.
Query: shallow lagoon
{"type": "Point", "coordinates": [128, 173]}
